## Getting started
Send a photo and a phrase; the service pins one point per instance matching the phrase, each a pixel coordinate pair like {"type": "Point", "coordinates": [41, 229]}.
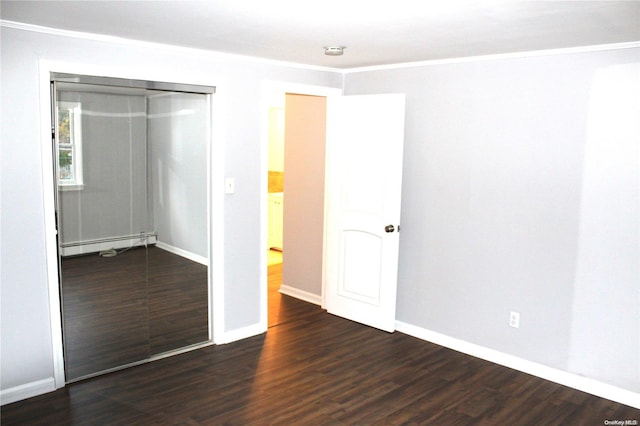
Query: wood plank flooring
{"type": "Point", "coordinates": [126, 308]}
{"type": "Point", "coordinates": [315, 369]}
{"type": "Point", "coordinates": [282, 308]}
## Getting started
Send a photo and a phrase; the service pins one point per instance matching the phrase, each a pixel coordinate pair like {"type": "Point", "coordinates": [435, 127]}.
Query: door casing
{"type": "Point", "coordinates": [271, 90]}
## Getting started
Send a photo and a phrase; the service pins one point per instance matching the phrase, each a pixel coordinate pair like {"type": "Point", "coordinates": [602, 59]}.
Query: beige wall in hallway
{"type": "Point", "coordinates": [305, 118]}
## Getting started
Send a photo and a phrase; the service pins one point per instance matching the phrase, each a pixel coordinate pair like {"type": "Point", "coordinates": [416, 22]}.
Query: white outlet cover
{"type": "Point", "coordinates": [514, 319]}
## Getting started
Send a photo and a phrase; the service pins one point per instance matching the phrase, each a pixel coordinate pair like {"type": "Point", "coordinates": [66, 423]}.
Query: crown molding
{"type": "Point", "coordinates": [166, 47]}
{"type": "Point", "coordinates": [254, 59]}
{"type": "Point", "coordinates": [499, 56]}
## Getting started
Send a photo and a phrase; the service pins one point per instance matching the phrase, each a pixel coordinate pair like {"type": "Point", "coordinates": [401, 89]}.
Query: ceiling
{"type": "Point", "coordinates": [374, 32]}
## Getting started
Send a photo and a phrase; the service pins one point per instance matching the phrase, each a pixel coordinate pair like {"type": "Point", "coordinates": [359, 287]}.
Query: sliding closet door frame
{"type": "Point", "coordinates": [215, 205]}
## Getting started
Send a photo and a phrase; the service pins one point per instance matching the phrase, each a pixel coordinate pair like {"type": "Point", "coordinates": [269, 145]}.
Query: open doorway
{"type": "Point", "coordinates": [293, 205]}
{"type": "Point", "coordinates": [297, 136]}
{"type": "Point", "coordinates": [275, 200]}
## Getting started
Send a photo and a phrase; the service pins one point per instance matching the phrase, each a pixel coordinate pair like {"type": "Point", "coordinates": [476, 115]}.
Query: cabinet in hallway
{"type": "Point", "coordinates": [276, 203]}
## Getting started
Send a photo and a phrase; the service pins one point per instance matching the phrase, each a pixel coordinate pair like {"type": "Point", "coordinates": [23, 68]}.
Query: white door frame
{"type": "Point", "coordinates": [215, 190]}
{"type": "Point", "coordinates": [273, 92]}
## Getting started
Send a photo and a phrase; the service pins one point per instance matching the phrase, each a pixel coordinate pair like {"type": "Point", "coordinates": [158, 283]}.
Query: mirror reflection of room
{"type": "Point", "coordinates": [132, 218]}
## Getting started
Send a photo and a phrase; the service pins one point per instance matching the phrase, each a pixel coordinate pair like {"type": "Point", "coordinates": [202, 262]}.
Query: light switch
{"type": "Point", "coordinates": [229, 185]}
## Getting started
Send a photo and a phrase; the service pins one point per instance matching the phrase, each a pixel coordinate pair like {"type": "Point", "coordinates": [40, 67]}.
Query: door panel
{"type": "Point", "coordinates": [365, 137]}
{"type": "Point", "coordinates": [359, 251]}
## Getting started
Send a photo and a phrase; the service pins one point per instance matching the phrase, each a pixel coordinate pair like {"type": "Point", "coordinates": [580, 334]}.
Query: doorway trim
{"type": "Point", "coordinates": [215, 220]}
{"type": "Point", "coordinates": [271, 90]}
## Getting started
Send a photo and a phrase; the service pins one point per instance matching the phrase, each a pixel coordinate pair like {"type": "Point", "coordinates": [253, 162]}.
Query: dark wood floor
{"type": "Point", "coordinates": [123, 309]}
{"type": "Point", "coordinates": [282, 308]}
{"type": "Point", "coordinates": [313, 369]}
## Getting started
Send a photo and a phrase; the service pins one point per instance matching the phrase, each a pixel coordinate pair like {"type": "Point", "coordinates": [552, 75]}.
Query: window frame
{"type": "Point", "coordinates": [75, 145]}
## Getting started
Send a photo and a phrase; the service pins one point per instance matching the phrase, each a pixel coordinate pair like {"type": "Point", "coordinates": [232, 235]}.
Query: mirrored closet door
{"type": "Point", "coordinates": [132, 215]}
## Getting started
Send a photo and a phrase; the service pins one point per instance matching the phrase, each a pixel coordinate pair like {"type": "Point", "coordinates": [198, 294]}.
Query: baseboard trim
{"type": "Point", "coordinates": [120, 244]}
{"type": "Point", "coordinates": [301, 294]}
{"type": "Point", "coordinates": [555, 375]}
{"type": "Point", "coordinates": [184, 253]}
{"type": "Point", "coordinates": [28, 390]}
{"type": "Point", "coordinates": [241, 333]}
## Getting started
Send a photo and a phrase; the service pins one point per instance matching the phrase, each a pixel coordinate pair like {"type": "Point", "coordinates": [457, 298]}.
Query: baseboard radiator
{"type": "Point", "coordinates": [120, 242]}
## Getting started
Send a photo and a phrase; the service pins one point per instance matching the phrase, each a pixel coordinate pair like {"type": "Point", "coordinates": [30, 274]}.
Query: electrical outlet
{"type": "Point", "coordinates": [514, 319]}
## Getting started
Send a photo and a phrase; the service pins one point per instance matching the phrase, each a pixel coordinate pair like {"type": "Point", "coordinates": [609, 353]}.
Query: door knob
{"type": "Point", "coordinates": [389, 228]}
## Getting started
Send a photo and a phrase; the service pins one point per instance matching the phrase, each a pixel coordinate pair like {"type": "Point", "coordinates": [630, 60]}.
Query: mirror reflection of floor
{"type": "Point", "coordinates": [124, 309]}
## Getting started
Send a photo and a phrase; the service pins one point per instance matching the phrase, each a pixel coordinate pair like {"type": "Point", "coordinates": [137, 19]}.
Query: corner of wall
{"type": "Point", "coordinates": [301, 294]}
{"type": "Point", "coordinates": [241, 333]}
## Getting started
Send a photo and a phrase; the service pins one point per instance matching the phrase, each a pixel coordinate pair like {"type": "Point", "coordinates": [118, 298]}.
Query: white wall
{"type": "Point", "coordinates": [178, 134]}
{"type": "Point", "coordinates": [521, 193]}
{"type": "Point", "coordinates": [605, 329]}
{"type": "Point", "coordinates": [25, 339]}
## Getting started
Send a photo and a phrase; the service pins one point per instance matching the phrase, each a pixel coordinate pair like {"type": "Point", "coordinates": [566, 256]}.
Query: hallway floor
{"type": "Point", "coordinates": [282, 308]}
{"type": "Point", "coordinates": [274, 257]}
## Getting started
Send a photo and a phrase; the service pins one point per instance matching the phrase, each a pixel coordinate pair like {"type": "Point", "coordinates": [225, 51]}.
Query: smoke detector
{"type": "Point", "coordinates": [334, 50]}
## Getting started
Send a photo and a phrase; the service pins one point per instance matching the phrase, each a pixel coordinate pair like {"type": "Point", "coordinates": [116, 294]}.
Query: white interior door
{"type": "Point", "coordinates": [365, 138]}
